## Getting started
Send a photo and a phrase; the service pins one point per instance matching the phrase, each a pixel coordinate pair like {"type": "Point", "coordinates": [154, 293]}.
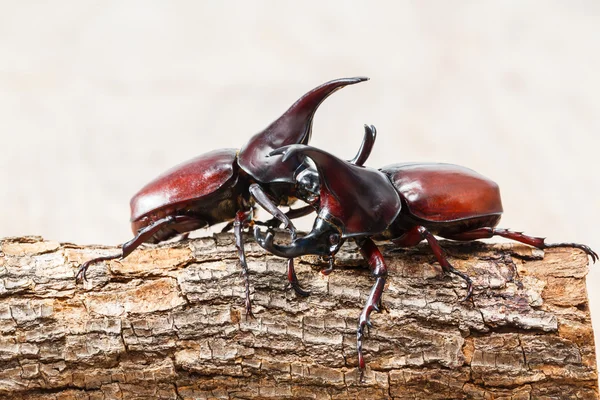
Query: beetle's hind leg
{"type": "Point", "coordinates": [486, 233]}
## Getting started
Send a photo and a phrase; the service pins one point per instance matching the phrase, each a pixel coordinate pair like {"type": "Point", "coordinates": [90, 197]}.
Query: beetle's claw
{"type": "Point", "coordinates": [297, 288]}
{"type": "Point", "coordinates": [81, 272]}
{"type": "Point", "coordinates": [293, 279]}
{"type": "Point", "coordinates": [469, 291]}
{"type": "Point", "coordinates": [467, 279]}
{"type": "Point", "coordinates": [329, 269]}
{"type": "Point", "coordinates": [587, 249]}
{"type": "Point", "coordinates": [249, 313]}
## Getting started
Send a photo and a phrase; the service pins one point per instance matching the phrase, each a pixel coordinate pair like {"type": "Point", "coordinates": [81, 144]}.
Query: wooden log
{"type": "Point", "coordinates": [168, 323]}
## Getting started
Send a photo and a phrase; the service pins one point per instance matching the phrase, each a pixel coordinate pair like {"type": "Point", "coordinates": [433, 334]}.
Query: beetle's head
{"type": "Point", "coordinates": [325, 239]}
{"type": "Point", "coordinates": [353, 201]}
{"type": "Point", "coordinates": [308, 184]}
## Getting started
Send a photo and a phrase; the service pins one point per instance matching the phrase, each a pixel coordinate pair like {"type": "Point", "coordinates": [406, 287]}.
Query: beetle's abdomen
{"type": "Point", "coordinates": [190, 181]}
{"type": "Point", "coordinates": [444, 192]}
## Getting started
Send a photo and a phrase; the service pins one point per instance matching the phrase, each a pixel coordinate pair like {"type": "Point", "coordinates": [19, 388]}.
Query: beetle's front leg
{"type": "Point", "coordinates": [143, 235]}
{"type": "Point", "coordinates": [293, 279]}
{"type": "Point", "coordinates": [242, 219]}
{"type": "Point", "coordinates": [374, 258]}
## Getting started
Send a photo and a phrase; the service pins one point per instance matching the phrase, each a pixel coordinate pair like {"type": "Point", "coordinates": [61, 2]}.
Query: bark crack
{"type": "Point", "coordinates": [178, 331]}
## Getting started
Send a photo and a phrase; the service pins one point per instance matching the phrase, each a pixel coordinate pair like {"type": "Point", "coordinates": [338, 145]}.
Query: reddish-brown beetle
{"type": "Point", "coordinates": [223, 185]}
{"type": "Point", "coordinates": [403, 203]}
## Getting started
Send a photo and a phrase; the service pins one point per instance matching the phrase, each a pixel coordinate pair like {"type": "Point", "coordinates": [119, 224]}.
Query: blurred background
{"type": "Point", "coordinates": [99, 97]}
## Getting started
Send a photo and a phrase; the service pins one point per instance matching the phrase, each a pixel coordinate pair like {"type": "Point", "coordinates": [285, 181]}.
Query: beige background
{"type": "Point", "coordinates": [97, 98]}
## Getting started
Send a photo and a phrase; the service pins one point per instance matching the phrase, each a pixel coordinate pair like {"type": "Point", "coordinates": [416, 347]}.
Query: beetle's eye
{"type": "Point", "coordinates": [334, 239]}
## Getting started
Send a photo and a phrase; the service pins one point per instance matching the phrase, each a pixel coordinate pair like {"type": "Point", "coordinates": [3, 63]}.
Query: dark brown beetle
{"type": "Point", "coordinates": [403, 203]}
{"type": "Point", "coordinates": [223, 185]}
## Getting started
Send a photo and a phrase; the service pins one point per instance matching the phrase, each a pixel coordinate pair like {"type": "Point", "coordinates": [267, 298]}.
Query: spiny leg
{"type": "Point", "coordinates": [143, 235]}
{"type": "Point", "coordinates": [440, 255]}
{"type": "Point", "coordinates": [241, 220]}
{"type": "Point", "coordinates": [486, 233]}
{"type": "Point", "coordinates": [374, 258]}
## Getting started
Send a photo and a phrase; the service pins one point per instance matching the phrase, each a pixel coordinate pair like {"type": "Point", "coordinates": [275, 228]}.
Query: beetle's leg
{"type": "Point", "coordinates": [485, 233]}
{"type": "Point", "coordinates": [373, 256]}
{"type": "Point", "coordinates": [440, 255]}
{"type": "Point", "coordinates": [329, 269]}
{"type": "Point", "coordinates": [82, 270]}
{"type": "Point", "coordinates": [415, 235]}
{"type": "Point", "coordinates": [293, 279]}
{"type": "Point", "coordinates": [143, 235]}
{"type": "Point", "coordinates": [241, 220]}
{"type": "Point", "coordinates": [410, 238]}
{"type": "Point", "coordinates": [227, 227]}
{"type": "Point", "coordinates": [184, 236]}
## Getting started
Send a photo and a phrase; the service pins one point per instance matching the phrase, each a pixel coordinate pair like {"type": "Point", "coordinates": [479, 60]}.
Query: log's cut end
{"type": "Point", "coordinates": [168, 323]}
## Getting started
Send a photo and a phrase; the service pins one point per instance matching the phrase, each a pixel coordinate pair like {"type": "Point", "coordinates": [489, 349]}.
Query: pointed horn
{"type": "Point", "coordinates": [362, 155]}
{"type": "Point", "coordinates": [366, 146]}
{"type": "Point", "coordinates": [293, 127]}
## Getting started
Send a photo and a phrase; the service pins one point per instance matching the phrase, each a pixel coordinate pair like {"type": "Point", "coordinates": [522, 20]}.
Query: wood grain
{"type": "Point", "coordinates": [168, 323]}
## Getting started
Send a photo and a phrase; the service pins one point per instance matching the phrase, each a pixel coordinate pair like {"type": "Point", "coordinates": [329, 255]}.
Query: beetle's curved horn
{"type": "Point", "coordinates": [293, 127]}
{"type": "Point", "coordinates": [361, 156]}
{"type": "Point", "coordinates": [366, 146]}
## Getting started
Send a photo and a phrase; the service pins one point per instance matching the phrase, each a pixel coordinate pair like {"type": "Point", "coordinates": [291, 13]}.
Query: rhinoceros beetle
{"type": "Point", "coordinates": [224, 184]}
{"type": "Point", "coordinates": [402, 203]}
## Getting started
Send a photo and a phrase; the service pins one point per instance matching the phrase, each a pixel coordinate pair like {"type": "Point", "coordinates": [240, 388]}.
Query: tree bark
{"type": "Point", "coordinates": [168, 323]}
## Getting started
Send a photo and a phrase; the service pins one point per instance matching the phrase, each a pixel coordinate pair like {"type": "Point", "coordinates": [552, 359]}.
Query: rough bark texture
{"type": "Point", "coordinates": [168, 323]}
